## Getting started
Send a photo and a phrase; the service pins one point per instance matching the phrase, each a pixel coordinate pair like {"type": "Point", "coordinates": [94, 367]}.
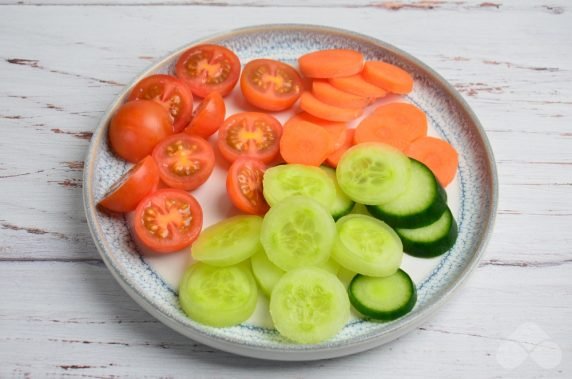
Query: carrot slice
{"type": "Point", "coordinates": [305, 116]}
{"type": "Point", "coordinates": [329, 94]}
{"type": "Point", "coordinates": [334, 158]}
{"type": "Point", "coordinates": [305, 143]}
{"type": "Point", "coordinates": [337, 135]}
{"type": "Point", "coordinates": [436, 154]}
{"type": "Point", "coordinates": [357, 85]}
{"type": "Point", "coordinates": [331, 63]}
{"type": "Point", "coordinates": [315, 107]}
{"type": "Point", "coordinates": [397, 124]}
{"type": "Point", "coordinates": [389, 77]}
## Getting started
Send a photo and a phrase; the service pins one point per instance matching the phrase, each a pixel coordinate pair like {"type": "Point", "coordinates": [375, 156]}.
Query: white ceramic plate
{"type": "Point", "coordinates": [472, 198]}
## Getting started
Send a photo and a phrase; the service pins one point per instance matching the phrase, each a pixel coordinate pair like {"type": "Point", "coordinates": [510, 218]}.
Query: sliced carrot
{"type": "Point", "coordinates": [305, 143]}
{"type": "Point", "coordinates": [357, 85]}
{"type": "Point", "coordinates": [305, 116]}
{"type": "Point", "coordinates": [337, 135]}
{"type": "Point", "coordinates": [387, 76]}
{"type": "Point", "coordinates": [329, 94]}
{"type": "Point", "coordinates": [334, 158]}
{"type": "Point", "coordinates": [397, 124]}
{"type": "Point", "coordinates": [315, 107]}
{"type": "Point", "coordinates": [436, 154]}
{"type": "Point", "coordinates": [336, 130]}
{"type": "Point", "coordinates": [332, 63]}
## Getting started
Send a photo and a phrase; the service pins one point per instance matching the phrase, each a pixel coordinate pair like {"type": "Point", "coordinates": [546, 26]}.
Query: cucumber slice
{"type": "Point", "coordinates": [360, 209]}
{"type": "Point", "coordinates": [218, 296]}
{"type": "Point", "coordinates": [383, 298]}
{"type": "Point", "coordinates": [288, 180]}
{"type": "Point", "coordinates": [330, 266]}
{"type": "Point", "coordinates": [298, 232]}
{"type": "Point", "coordinates": [421, 204]}
{"type": "Point", "coordinates": [373, 173]}
{"type": "Point", "coordinates": [309, 305]}
{"type": "Point", "coordinates": [431, 240]}
{"type": "Point", "coordinates": [229, 241]}
{"type": "Point", "coordinates": [342, 204]}
{"type": "Point", "coordinates": [346, 276]}
{"type": "Point", "coordinates": [266, 273]}
{"type": "Point", "coordinates": [367, 246]}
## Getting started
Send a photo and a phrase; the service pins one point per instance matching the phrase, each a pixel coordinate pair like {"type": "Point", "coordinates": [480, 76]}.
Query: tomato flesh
{"type": "Point", "coordinates": [208, 117]}
{"type": "Point", "coordinates": [185, 162]}
{"type": "Point", "coordinates": [250, 134]}
{"type": "Point", "coordinates": [244, 186]}
{"type": "Point", "coordinates": [167, 221]}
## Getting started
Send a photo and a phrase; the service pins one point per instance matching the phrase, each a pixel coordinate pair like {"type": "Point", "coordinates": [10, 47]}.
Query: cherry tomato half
{"type": "Point", "coordinates": [270, 84]}
{"type": "Point", "coordinates": [208, 117]}
{"type": "Point", "coordinates": [244, 186]}
{"type": "Point", "coordinates": [250, 134]}
{"type": "Point", "coordinates": [133, 186]}
{"type": "Point", "coordinates": [137, 127]}
{"type": "Point", "coordinates": [185, 162]}
{"type": "Point", "coordinates": [208, 68]}
{"type": "Point", "coordinates": [167, 221]}
{"type": "Point", "coordinates": [170, 92]}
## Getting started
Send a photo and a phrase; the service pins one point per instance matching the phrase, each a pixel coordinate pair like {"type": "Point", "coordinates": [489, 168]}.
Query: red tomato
{"type": "Point", "coordinates": [137, 127]}
{"type": "Point", "coordinates": [250, 134]}
{"type": "Point", "coordinates": [208, 117]}
{"type": "Point", "coordinates": [133, 186]}
{"type": "Point", "coordinates": [172, 93]}
{"type": "Point", "coordinates": [208, 68]}
{"type": "Point", "coordinates": [167, 221]}
{"type": "Point", "coordinates": [270, 84]}
{"type": "Point", "coordinates": [185, 162]}
{"type": "Point", "coordinates": [244, 186]}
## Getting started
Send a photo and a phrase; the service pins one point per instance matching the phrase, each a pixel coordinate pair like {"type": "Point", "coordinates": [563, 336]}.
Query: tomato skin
{"type": "Point", "coordinates": [137, 127]}
{"type": "Point", "coordinates": [204, 58]}
{"type": "Point", "coordinates": [178, 224]}
{"type": "Point", "coordinates": [184, 162]}
{"type": "Point", "coordinates": [133, 186]}
{"type": "Point", "coordinates": [250, 134]}
{"type": "Point", "coordinates": [245, 175]}
{"type": "Point", "coordinates": [171, 93]}
{"type": "Point", "coordinates": [283, 84]}
{"type": "Point", "coordinates": [208, 117]}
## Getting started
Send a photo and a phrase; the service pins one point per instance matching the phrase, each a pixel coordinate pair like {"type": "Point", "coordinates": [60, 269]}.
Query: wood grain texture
{"type": "Point", "coordinates": [61, 312]}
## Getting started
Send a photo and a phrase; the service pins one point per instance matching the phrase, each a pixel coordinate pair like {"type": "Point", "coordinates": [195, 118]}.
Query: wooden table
{"type": "Point", "coordinates": [63, 61]}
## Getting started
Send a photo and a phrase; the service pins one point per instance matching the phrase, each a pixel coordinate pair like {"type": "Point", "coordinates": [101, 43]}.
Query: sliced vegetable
{"type": "Point", "coordinates": [357, 85]}
{"type": "Point", "coordinates": [218, 296]}
{"type": "Point", "coordinates": [334, 158]}
{"type": "Point", "coordinates": [383, 299]}
{"type": "Point", "coordinates": [337, 134]}
{"type": "Point", "coordinates": [436, 154]}
{"type": "Point", "coordinates": [208, 117]}
{"type": "Point", "coordinates": [309, 305]}
{"type": "Point", "coordinates": [305, 143]}
{"type": "Point", "coordinates": [342, 204]}
{"type": "Point", "coordinates": [331, 63]}
{"type": "Point", "coordinates": [317, 108]}
{"type": "Point", "coordinates": [267, 274]}
{"type": "Point", "coordinates": [387, 76]}
{"type": "Point", "coordinates": [305, 116]}
{"type": "Point", "coordinates": [329, 94]}
{"type": "Point", "coordinates": [244, 186]}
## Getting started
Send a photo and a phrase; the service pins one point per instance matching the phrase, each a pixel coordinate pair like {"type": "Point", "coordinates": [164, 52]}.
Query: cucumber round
{"type": "Point", "coordinates": [330, 266]}
{"type": "Point", "coordinates": [342, 204]}
{"type": "Point", "coordinates": [266, 273]}
{"type": "Point", "coordinates": [360, 209]}
{"type": "Point", "coordinates": [373, 173]}
{"type": "Point", "coordinates": [431, 240]}
{"type": "Point", "coordinates": [298, 232]}
{"type": "Point", "coordinates": [383, 298]}
{"type": "Point", "coordinates": [284, 181]}
{"type": "Point", "coordinates": [421, 204]}
{"type": "Point", "coordinates": [228, 242]}
{"type": "Point", "coordinates": [218, 296]}
{"type": "Point", "coordinates": [309, 305]}
{"type": "Point", "coordinates": [346, 276]}
{"type": "Point", "coordinates": [367, 246]}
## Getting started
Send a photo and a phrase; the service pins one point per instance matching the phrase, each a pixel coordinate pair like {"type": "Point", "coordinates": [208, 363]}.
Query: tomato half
{"type": "Point", "coordinates": [137, 127]}
{"type": "Point", "coordinates": [185, 162]}
{"type": "Point", "coordinates": [167, 220]}
{"type": "Point", "coordinates": [270, 84]}
{"type": "Point", "coordinates": [170, 92]}
{"type": "Point", "coordinates": [208, 117]}
{"type": "Point", "coordinates": [244, 186]}
{"type": "Point", "coordinates": [208, 68]}
{"type": "Point", "coordinates": [133, 186]}
{"type": "Point", "coordinates": [250, 134]}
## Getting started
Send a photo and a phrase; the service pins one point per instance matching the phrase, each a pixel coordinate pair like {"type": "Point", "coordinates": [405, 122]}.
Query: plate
{"type": "Point", "coordinates": [473, 197]}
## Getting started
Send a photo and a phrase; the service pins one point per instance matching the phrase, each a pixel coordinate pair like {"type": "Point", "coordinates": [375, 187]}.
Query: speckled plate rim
{"type": "Point", "coordinates": [353, 346]}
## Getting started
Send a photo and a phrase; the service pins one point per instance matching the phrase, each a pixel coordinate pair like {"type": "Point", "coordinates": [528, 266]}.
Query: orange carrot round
{"type": "Point", "coordinates": [357, 85]}
{"type": "Point", "coordinates": [317, 108]}
{"type": "Point", "coordinates": [305, 116]}
{"type": "Point", "coordinates": [387, 76]}
{"type": "Point", "coordinates": [331, 63]}
{"type": "Point", "coordinates": [396, 124]}
{"type": "Point", "coordinates": [305, 143]}
{"type": "Point", "coordinates": [334, 158]}
{"type": "Point", "coordinates": [436, 154]}
{"type": "Point", "coordinates": [329, 94]}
